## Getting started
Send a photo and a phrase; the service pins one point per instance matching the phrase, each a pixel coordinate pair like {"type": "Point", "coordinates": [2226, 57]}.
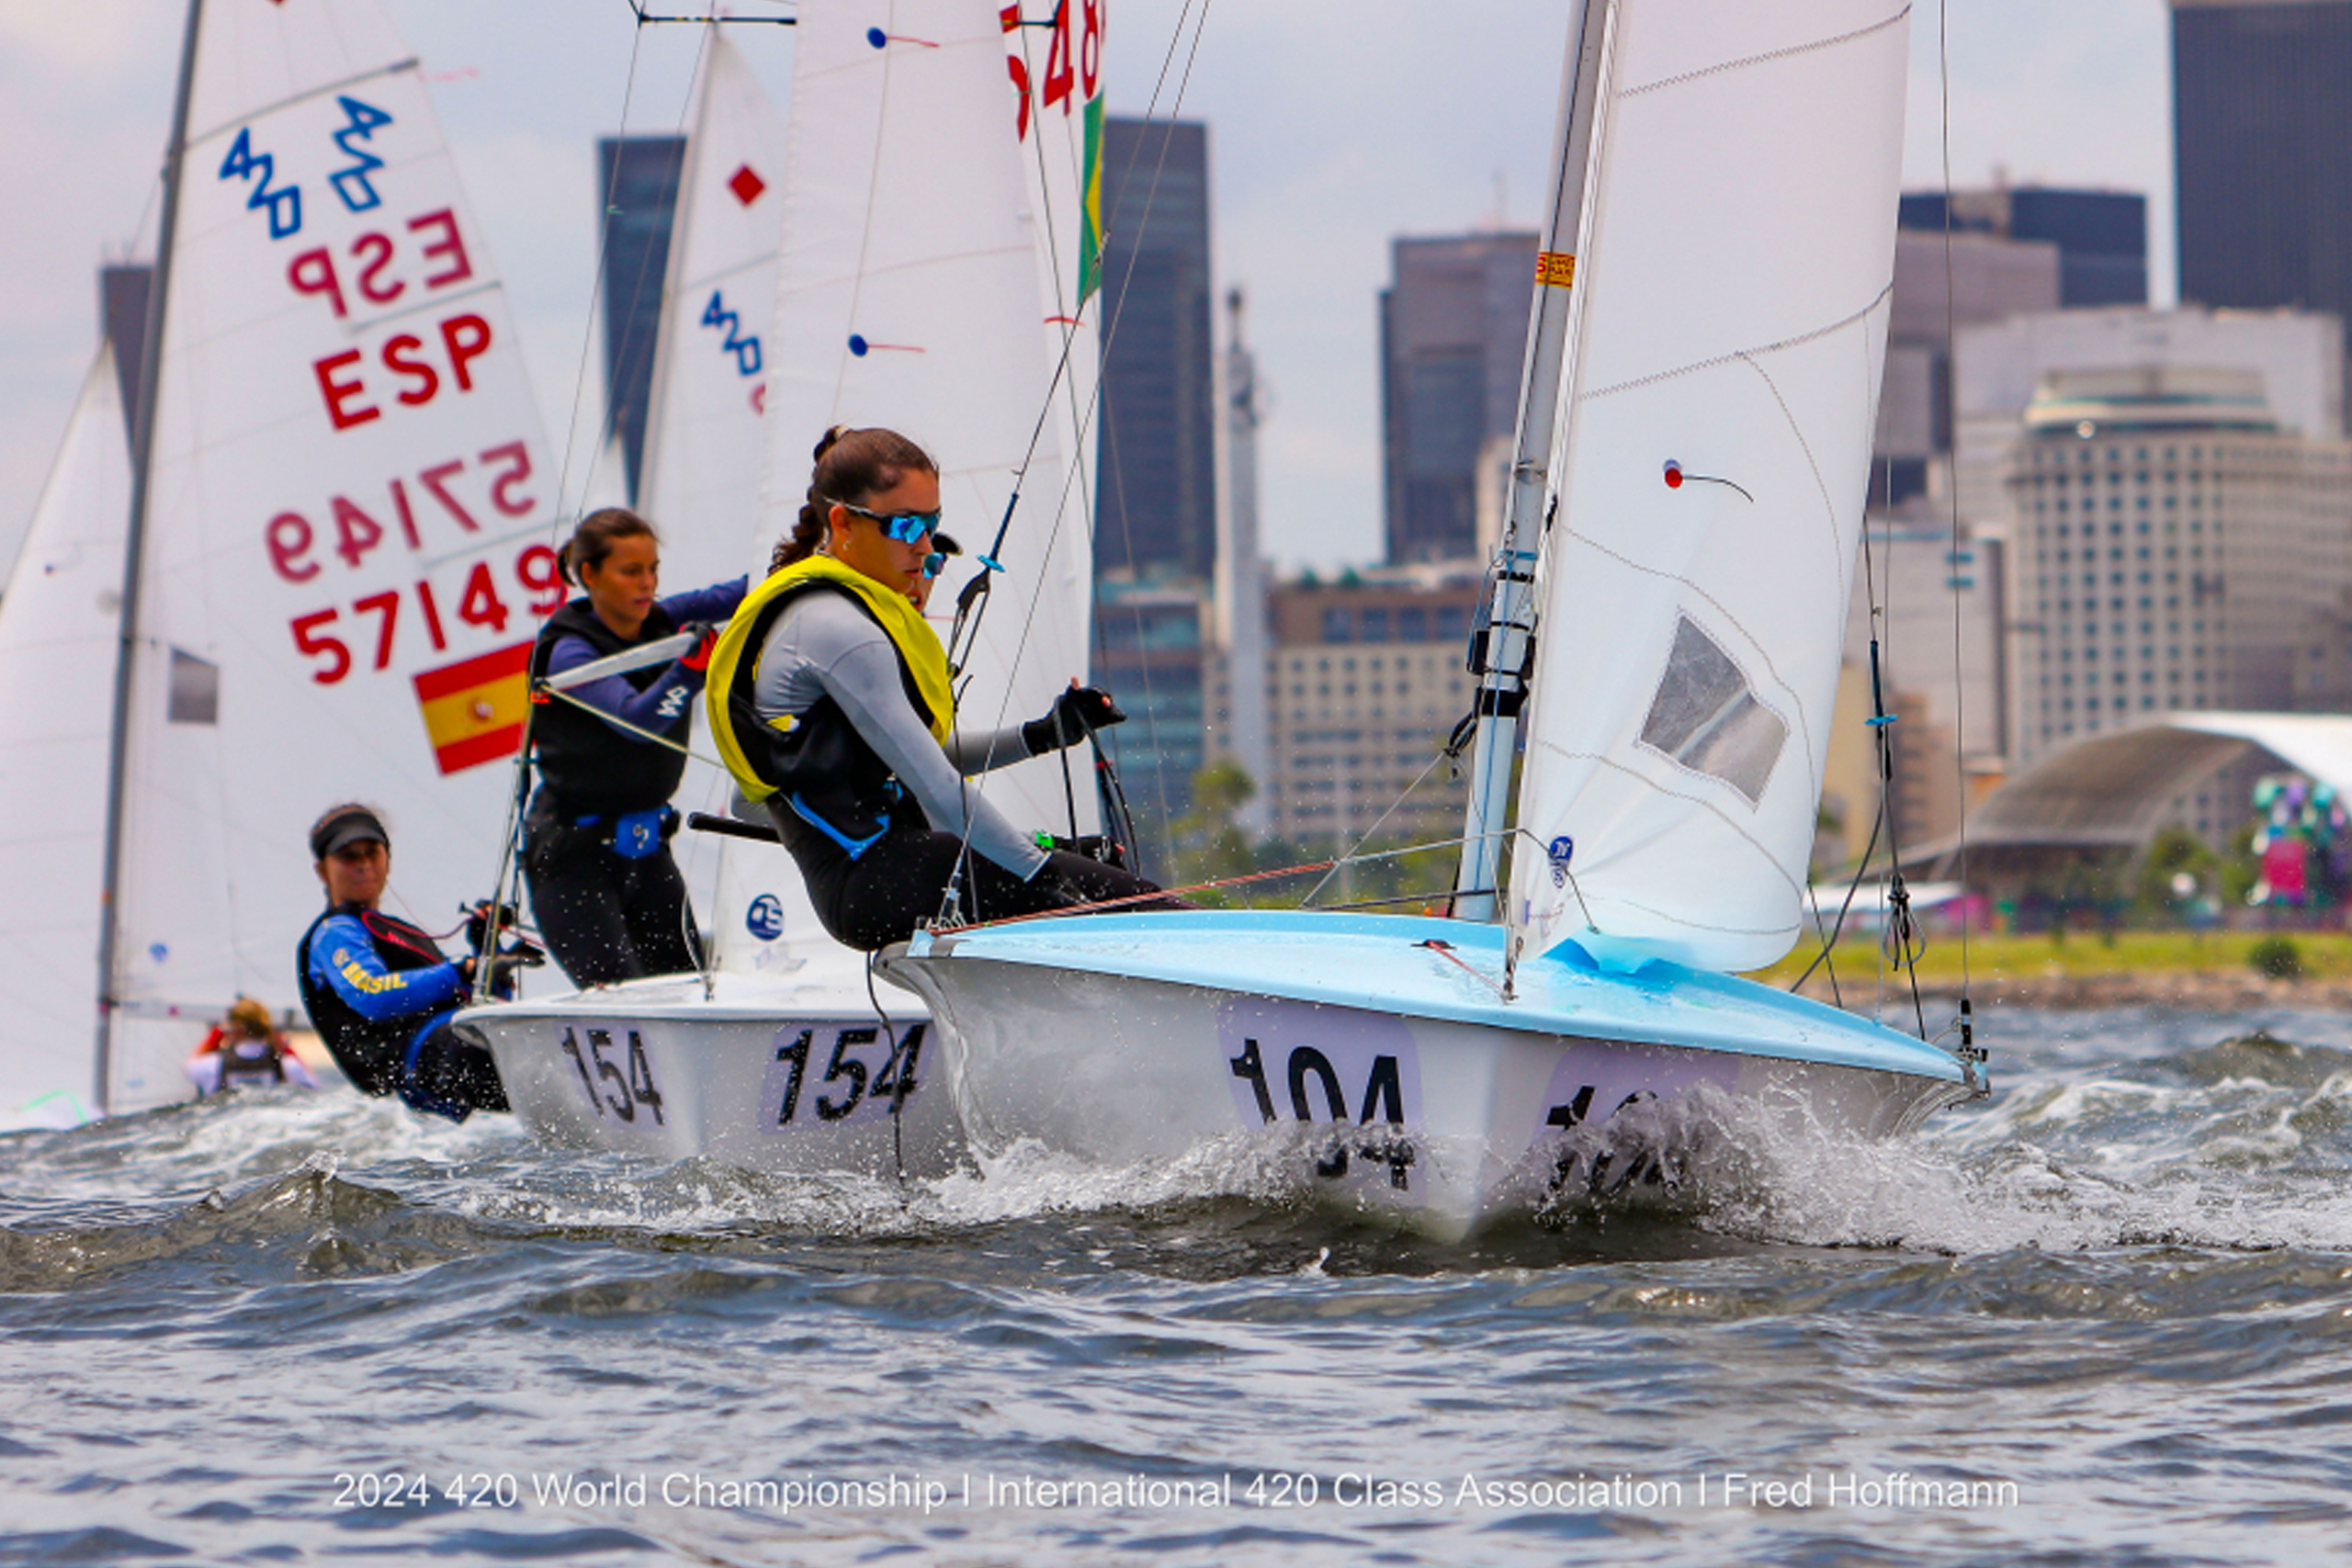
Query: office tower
{"type": "Point", "coordinates": [1998, 367]}
{"type": "Point", "coordinates": [2263, 152]}
{"type": "Point", "coordinates": [1452, 349]}
{"type": "Point", "coordinates": [2102, 235]}
{"type": "Point", "coordinates": [1367, 684]}
{"type": "Point", "coordinates": [1151, 648]}
{"type": "Point", "coordinates": [1990, 278]}
{"type": "Point", "coordinates": [637, 180]}
{"type": "Point", "coordinates": [1155, 463]}
{"type": "Point", "coordinates": [123, 290]}
{"type": "Point", "coordinates": [2176, 547]}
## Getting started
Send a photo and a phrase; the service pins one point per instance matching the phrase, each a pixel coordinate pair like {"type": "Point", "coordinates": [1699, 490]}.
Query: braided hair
{"type": "Point", "coordinates": [851, 465]}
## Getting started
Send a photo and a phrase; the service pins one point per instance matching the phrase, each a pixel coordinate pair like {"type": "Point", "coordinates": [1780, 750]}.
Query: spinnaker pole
{"type": "Point", "coordinates": [142, 463]}
{"type": "Point", "coordinates": [1500, 652]}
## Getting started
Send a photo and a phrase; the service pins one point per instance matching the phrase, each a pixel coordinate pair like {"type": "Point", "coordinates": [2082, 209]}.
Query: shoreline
{"type": "Point", "coordinates": [2191, 991]}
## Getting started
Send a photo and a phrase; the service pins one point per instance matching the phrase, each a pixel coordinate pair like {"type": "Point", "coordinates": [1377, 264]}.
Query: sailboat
{"type": "Point", "coordinates": [337, 500]}
{"type": "Point", "coordinates": [57, 624]}
{"type": "Point", "coordinates": [1665, 618]}
{"type": "Point", "coordinates": [911, 291]}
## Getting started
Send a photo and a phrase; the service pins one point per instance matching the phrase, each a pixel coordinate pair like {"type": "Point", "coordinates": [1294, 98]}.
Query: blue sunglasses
{"type": "Point", "coordinates": [906, 527]}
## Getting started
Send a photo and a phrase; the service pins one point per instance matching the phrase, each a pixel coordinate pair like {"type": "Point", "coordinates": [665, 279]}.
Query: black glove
{"type": "Point", "coordinates": [705, 636]}
{"type": "Point", "coordinates": [1093, 846]}
{"type": "Point", "coordinates": [1076, 712]}
{"type": "Point", "coordinates": [477, 923]}
{"type": "Point", "coordinates": [1052, 890]}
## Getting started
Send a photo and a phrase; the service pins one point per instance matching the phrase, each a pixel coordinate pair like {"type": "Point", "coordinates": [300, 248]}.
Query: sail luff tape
{"type": "Point", "coordinates": [1555, 269]}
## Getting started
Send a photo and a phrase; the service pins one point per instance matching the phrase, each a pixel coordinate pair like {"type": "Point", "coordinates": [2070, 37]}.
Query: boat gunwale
{"type": "Point", "coordinates": [1856, 1042]}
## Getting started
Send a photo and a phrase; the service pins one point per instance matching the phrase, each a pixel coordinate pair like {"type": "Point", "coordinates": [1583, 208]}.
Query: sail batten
{"type": "Point", "coordinates": [1710, 466]}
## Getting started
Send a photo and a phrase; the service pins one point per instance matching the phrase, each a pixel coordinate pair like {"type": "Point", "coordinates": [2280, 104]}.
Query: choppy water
{"type": "Point", "coordinates": [2105, 1319]}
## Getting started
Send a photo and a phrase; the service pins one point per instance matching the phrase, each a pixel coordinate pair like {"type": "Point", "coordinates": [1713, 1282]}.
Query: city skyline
{"type": "Point", "coordinates": [1314, 174]}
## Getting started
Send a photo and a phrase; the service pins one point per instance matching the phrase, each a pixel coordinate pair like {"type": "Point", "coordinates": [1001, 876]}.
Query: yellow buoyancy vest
{"type": "Point", "coordinates": [734, 660]}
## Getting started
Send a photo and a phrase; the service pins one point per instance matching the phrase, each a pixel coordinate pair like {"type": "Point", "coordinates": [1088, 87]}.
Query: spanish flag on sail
{"type": "Point", "coordinates": [473, 710]}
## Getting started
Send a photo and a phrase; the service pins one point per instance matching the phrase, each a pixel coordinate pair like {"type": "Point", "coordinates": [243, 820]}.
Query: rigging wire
{"type": "Point", "coordinates": [1968, 1051]}
{"type": "Point", "coordinates": [510, 863]}
{"type": "Point", "coordinates": [951, 897]}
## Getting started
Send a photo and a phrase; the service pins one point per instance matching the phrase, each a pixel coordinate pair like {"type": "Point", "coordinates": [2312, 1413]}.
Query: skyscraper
{"type": "Point", "coordinates": [2102, 235]}
{"type": "Point", "coordinates": [2263, 150]}
{"type": "Point", "coordinates": [123, 290]}
{"type": "Point", "coordinates": [638, 178]}
{"type": "Point", "coordinates": [1156, 468]}
{"type": "Point", "coordinates": [1453, 346]}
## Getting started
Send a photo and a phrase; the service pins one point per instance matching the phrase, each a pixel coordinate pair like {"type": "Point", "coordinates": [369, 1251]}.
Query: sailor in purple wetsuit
{"type": "Point", "coordinates": [609, 901]}
{"type": "Point", "coordinates": [378, 992]}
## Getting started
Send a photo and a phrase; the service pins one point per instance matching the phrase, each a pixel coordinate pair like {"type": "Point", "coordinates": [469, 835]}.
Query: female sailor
{"type": "Point", "coordinates": [610, 903]}
{"type": "Point", "coordinates": [829, 701]}
{"type": "Point", "coordinates": [379, 991]}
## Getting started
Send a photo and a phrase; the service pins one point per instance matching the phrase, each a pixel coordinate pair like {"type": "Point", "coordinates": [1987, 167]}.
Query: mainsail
{"type": "Point", "coordinates": [349, 496]}
{"type": "Point", "coordinates": [909, 297]}
{"type": "Point", "coordinates": [704, 450]}
{"type": "Point", "coordinates": [58, 630]}
{"type": "Point", "coordinates": [1709, 468]}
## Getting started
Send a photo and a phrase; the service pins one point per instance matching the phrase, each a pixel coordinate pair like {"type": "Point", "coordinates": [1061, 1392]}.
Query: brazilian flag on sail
{"type": "Point", "coordinates": [1090, 233]}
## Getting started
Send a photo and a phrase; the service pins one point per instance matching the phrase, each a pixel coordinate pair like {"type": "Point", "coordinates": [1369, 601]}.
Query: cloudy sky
{"type": "Point", "coordinates": [1334, 125]}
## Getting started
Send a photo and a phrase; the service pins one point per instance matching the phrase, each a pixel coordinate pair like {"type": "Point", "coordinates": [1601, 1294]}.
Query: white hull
{"type": "Point", "coordinates": [1443, 1123]}
{"type": "Point", "coordinates": [790, 1073]}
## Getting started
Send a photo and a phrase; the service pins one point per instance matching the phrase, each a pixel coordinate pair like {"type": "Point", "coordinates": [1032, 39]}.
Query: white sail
{"type": "Point", "coordinates": [1055, 58]}
{"type": "Point", "coordinates": [345, 551]}
{"type": "Point", "coordinates": [1710, 471]}
{"type": "Point", "coordinates": [704, 450]}
{"type": "Point", "coordinates": [909, 298]}
{"type": "Point", "coordinates": [59, 622]}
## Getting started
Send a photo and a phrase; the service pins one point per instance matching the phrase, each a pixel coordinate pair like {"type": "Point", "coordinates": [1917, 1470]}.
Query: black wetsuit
{"type": "Point", "coordinates": [380, 995]}
{"type": "Point", "coordinates": [605, 890]}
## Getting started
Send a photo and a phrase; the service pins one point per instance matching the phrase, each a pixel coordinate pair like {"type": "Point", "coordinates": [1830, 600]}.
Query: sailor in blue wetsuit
{"type": "Point", "coordinates": [378, 990]}
{"type": "Point", "coordinates": [609, 901]}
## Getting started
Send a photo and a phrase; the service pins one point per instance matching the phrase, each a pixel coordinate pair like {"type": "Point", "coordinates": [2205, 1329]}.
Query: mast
{"type": "Point", "coordinates": [143, 452]}
{"type": "Point", "coordinates": [1500, 652]}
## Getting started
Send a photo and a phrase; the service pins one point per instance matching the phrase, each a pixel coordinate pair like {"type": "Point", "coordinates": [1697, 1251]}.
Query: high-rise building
{"type": "Point", "coordinates": [1237, 707]}
{"type": "Point", "coordinates": [2263, 152]}
{"type": "Point", "coordinates": [638, 178]}
{"type": "Point", "coordinates": [2102, 235]}
{"type": "Point", "coordinates": [1367, 680]}
{"type": "Point", "coordinates": [2000, 366]}
{"type": "Point", "coordinates": [123, 292]}
{"type": "Point", "coordinates": [1152, 649]}
{"type": "Point", "coordinates": [1155, 490]}
{"type": "Point", "coordinates": [1452, 349]}
{"type": "Point", "coordinates": [1990, 278]}
{"type": "Point", "coordinates": [2174, 548]}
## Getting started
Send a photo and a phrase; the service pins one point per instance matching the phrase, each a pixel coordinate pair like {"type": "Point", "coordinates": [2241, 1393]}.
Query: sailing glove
{"type": "Point", "coordinates": [706, 638]}
{"type": "Point", "coordinates": [1076, 713]}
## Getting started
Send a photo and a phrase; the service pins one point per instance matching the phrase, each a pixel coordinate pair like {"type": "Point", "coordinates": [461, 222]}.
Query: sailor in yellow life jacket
{"type": "Point", "coordinates": [829, 701]}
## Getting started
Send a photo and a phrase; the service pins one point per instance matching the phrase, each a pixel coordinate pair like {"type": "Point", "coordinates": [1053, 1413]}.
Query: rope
{"type": "Point", "coordinates": [1968, 1052]}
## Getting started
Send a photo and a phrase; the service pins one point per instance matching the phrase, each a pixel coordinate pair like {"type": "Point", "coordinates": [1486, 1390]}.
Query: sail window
{"type": "Point", "coordinates": [1705, 718]}
{"type": "Point", "coordinates": [196, 690]}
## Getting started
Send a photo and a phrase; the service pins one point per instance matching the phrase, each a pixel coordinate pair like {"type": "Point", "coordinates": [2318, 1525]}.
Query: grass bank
{"type": "Point", "coordinates": [2325, 955]}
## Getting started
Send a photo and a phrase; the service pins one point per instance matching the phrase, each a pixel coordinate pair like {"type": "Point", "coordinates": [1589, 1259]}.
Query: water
{"type": "Point", "coordinates": [2105, 1319]}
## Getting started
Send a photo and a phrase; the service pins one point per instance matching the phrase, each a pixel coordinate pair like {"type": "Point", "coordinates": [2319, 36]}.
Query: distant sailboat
{"type": "Point", "coordinates": [911, 288]}
{"type": "Point", "coordinates": [57, 632]}
{"type": "Point", "coordinates": [1709, 327]}
{"type": "Point", "coordinates": [337, 546]}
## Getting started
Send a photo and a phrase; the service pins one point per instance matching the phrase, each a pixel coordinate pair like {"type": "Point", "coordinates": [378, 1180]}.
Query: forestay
{"type": "Point", "coordinates": [1710, 471]}
{"type": "Point", "coordinates": [58, 627]}
{"type": "Point", "coordinates": [346, 541]}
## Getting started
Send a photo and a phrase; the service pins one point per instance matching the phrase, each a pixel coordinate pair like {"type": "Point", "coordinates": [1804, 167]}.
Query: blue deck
{"type": "Point", "coordinates": [1379, 962]}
